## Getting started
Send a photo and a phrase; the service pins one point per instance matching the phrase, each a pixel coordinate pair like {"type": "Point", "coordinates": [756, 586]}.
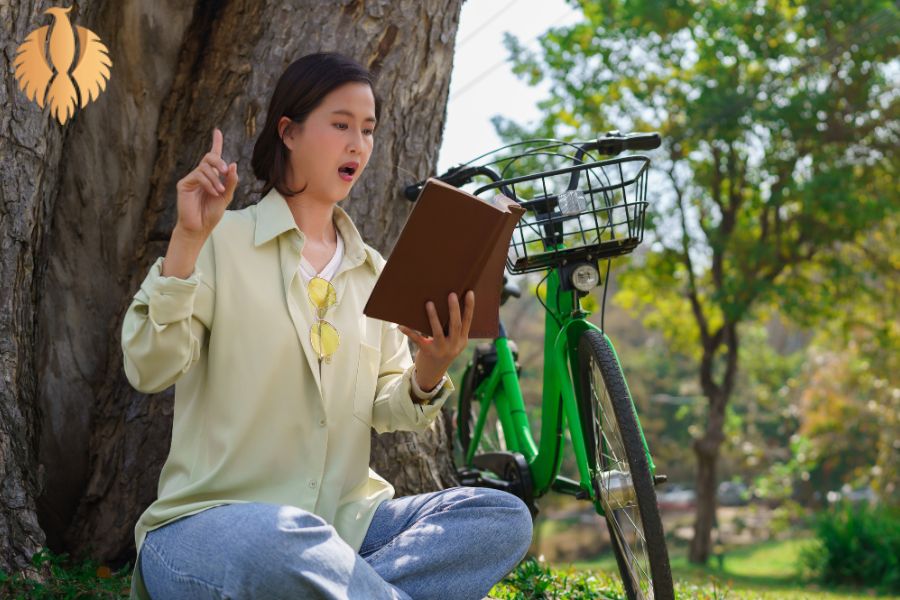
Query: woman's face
{"type": "Point", "coordinates": [337, 134]}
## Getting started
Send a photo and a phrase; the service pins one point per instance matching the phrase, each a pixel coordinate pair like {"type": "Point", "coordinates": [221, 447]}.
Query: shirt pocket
{"type": "Point", "coordinates": [366, 382]}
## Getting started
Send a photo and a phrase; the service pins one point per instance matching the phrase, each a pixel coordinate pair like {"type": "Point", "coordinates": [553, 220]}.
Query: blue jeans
{"type": "Point", "coordinates": [454, 543]}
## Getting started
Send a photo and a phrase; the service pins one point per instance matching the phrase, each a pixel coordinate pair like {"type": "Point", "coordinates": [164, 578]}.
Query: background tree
{"type": "Point", "coordinates": [848, 431]}
{"type": "Point", "coordinates": [780, 132]}
{"type": "Point", "coordinates": [86, 208]}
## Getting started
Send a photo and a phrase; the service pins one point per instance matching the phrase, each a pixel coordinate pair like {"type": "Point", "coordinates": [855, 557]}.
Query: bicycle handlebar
{"type": "Point", "coordinates": [614, 142]}
{"type": "Point", "coordinates": [611, 144]}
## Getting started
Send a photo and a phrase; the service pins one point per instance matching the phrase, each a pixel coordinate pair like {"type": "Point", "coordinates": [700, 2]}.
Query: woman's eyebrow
{"type": "Point", "coordinates": [341, 111]}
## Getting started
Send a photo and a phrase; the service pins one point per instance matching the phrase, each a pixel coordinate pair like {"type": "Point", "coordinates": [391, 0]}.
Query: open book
{"type": "Point", "coordinates": [452, 241]}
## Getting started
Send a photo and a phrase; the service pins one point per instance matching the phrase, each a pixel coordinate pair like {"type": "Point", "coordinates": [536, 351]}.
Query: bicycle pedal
{"type": "Point", "coordinates": [582, 495]}
{"type": "Point", "coordinates": [660, 479]}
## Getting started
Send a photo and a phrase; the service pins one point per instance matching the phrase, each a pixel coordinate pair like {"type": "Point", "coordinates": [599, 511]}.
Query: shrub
{"type": "Point", "coordinates": [856, 545]}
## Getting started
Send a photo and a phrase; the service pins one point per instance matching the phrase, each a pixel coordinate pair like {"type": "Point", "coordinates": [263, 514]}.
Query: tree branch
{"type": "Point", "coordinates": [693, 294]}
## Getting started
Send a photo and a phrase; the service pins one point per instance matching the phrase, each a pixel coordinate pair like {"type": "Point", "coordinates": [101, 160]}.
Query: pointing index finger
{"type": "Point", "coordinates": [217, 142]}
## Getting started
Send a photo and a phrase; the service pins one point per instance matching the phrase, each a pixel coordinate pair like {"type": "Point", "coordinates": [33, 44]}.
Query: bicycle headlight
{"type": "Point", "coordinates": [585, 277]}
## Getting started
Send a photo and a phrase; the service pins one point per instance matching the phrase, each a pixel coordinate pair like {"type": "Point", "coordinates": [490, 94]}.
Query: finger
{"type": "Point", "coordinates": [469, 313]}
{"type": "Point", "coordinates": [210, 171]}
{"type": "Point", "coordinates": [213, 176]}
{"type": "Point", "coordinates": [210, 183]}
{"type": "Point", "coordinates": [216, 162]}
{"type": "Point", "coordinates": [413, 335]}
{"type": "Point", "coordinates": [217, 142]}
{"type": "Point", "coordinates": [437, 330]}
{"type": "Point", "coordinates": [455, 322]}
{"type": "Point", "coordinates": [200, 178]}
{"type": "Point", "coordinates": [231, 179]}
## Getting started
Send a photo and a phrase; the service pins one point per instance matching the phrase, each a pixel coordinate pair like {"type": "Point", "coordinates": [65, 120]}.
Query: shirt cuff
{"type": "Point", "coordinates": [170, 299]}
{"type": "Point", "coordinates": [422, 395]}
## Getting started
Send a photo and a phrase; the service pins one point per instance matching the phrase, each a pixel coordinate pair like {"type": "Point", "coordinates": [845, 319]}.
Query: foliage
{"type": "Point", "coordinates": [848, 408]}
{"type": "Point", "coordinates": [67, 581]}
{"type": "Point", "coordinates": [857, 546]}
{"type": "Point", "coordinates": [780, 132]}
{"type": "Point", "coordinates": [534, 580]}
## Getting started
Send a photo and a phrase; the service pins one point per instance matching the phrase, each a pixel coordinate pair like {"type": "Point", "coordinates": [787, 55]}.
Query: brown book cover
{"type": "Point", "coordinates": [453, 241]}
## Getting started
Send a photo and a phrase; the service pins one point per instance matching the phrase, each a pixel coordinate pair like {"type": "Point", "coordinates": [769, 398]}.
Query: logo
{"type": "Point", "coordinates": [37, 63]}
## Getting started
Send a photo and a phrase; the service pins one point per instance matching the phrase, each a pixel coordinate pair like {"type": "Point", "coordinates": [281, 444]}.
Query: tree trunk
{"type": "Point", "coordinates": [707, 448]}
{"type": "Point", "coordinates": [30, 149]}
{"type": "Point", "coordinates": [87, 207]}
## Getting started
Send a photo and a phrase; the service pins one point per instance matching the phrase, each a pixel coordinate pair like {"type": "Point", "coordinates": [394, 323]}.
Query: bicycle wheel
{"type": "Point", "coordinates": [468, 409]}
{"type": "Point", "coordinates": [620, 471]}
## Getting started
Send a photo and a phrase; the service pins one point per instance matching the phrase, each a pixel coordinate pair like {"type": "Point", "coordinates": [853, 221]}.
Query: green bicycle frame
{"type": "Point", "coordinates": [559, 404]}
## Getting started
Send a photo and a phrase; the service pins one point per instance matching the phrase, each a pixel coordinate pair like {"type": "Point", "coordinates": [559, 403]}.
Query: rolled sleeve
{"type": "Point", "coordinates": [170, 299]}
{"type": "Point", "coordinates": [394, 409]}
{"type": "Point", "coordinates": [167, 325]}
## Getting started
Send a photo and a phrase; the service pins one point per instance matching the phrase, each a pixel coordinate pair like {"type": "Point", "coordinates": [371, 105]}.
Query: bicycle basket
{"type": "Point", "coordinates": [564, 221]}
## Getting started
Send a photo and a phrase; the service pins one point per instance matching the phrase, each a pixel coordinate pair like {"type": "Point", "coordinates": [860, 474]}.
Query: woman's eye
{"type": "Point", "coordinates": [343, 127]}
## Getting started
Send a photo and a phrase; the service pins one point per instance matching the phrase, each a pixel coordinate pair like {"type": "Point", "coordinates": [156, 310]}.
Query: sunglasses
{"type": "Point", "coordinates": [323, 336]}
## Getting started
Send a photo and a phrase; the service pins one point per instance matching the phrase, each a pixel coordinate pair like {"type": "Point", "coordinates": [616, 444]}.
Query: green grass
{"type": "Point", "coordinates": [88, 580]}
{"type": "Point", "coordinates": [767, 570]}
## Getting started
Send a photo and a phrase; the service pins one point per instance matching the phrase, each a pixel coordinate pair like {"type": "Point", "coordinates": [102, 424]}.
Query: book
{"type": "Point", "coordinates": [452, 241]}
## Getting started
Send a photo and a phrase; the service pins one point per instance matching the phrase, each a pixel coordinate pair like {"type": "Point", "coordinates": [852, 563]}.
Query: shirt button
{"type": "Point", "coordinates": [312, 483]}
{"type": "Point", "coordinates": [321, 422]}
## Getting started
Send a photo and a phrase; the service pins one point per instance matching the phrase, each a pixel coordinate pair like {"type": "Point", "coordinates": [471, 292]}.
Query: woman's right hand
{"type": "Point", "coordinates": [202, 196]}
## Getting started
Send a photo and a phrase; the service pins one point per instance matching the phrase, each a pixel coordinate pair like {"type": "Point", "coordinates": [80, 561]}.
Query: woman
{"type": "Point", "coordinates": [256, 316]}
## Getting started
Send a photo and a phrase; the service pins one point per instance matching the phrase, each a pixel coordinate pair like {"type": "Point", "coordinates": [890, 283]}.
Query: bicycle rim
{"type": "Point", "coordinates": [620, 472]}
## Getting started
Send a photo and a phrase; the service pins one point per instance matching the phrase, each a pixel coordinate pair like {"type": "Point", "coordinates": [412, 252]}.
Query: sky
{"type": "Point", "coordinates": [482, 83]}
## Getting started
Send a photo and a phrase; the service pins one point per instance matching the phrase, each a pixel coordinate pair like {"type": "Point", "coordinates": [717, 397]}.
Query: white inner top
{"type": "Point", "coordinates": [307, 271]}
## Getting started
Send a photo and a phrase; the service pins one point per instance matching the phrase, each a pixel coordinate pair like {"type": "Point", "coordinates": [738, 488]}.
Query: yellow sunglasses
{"type": "Point", "coordinates": [323, 336]}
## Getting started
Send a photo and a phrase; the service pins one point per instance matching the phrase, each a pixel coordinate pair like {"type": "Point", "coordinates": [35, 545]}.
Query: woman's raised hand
{"type": "Point", "coordinates": [202, 195]}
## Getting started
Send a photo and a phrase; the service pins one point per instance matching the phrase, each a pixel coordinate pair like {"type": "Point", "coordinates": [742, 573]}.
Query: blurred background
{"type": "Point", "coordinates": [774, 204]}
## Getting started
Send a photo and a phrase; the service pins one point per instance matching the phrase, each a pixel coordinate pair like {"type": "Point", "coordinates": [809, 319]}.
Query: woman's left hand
{"type": "Point", "coordinates": [437, 352]}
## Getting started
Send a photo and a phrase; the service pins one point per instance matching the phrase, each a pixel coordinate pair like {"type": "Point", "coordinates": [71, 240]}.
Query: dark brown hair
{"type": "Point", "coordinates": [300, 89]}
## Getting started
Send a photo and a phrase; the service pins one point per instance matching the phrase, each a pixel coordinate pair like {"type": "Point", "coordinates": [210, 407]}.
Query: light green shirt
{"type": "Point", "coordinates": [254, 419]}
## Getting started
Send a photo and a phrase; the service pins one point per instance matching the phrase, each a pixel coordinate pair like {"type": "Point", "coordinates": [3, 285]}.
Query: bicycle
{"type": "Point", "coordinates": [567, 230]}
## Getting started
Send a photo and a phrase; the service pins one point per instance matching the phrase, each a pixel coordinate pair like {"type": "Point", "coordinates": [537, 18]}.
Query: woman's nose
{"type": "Point", "coordinates": [355, 143]}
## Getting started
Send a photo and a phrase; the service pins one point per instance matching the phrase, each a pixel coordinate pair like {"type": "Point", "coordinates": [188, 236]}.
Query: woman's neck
{"type": "Point", "coordinates": [315, 220]}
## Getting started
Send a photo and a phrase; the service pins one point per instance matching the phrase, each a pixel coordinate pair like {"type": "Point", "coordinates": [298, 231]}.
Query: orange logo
{"type": "Point", "coordinates": [86, 80]}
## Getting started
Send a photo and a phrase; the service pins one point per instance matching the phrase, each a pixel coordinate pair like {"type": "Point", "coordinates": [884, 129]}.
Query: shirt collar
{"type": "Point", "coordinates": [274, 217]}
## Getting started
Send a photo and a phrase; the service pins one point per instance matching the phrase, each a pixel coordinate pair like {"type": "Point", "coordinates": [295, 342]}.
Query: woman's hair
{"type": "Point", "coordinates": [300, 89]}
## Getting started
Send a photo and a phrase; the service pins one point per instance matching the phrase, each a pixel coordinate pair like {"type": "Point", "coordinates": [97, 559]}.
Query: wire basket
{"type": "Point", "coordinates": [584, 212]}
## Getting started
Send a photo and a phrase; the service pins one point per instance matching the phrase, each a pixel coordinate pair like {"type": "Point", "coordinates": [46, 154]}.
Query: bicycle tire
{"type": "Point", "coordinates": [467, 415]}
{"type": "Point", "coordinates": [614, 444]}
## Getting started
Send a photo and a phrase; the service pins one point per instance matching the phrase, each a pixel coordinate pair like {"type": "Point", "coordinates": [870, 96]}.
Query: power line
{"type": "Point", "coordinates": [488, 21]}
{"type": "Point", "coordinates": [501, 62]}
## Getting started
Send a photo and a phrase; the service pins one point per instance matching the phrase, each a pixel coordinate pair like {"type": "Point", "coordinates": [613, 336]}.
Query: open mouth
{"type": "Point", "coordinates": [347, 170]}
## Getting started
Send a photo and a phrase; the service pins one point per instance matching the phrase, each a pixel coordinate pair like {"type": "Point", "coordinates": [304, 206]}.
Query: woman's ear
{"type": "Point", "coordinates": [285, 132]}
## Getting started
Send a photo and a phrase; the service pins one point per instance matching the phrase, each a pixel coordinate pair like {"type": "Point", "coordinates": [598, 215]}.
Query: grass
{"type": "Point", "coordinates": [66, 580]}
{"type": "Point", "coordinates": [768, 570]}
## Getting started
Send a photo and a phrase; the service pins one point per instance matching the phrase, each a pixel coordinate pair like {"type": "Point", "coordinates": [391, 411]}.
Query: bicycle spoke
{"type": "Point", "coordinates": [617, 494]}
{"type": "Point", "coordinates": [642, 579]}
{"type": "Point", "coordinates": [492, 439]}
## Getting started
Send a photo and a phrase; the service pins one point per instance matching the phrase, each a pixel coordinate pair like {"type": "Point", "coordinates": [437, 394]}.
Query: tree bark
{"type": "Point", "coordinates": [706, 450]}
{"type": "Point", "coordinates": [707, 447]}
{"type": "Point", "coordinates": [30, 149]}
{"type": "Point", "coordinates": [87, 207]}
